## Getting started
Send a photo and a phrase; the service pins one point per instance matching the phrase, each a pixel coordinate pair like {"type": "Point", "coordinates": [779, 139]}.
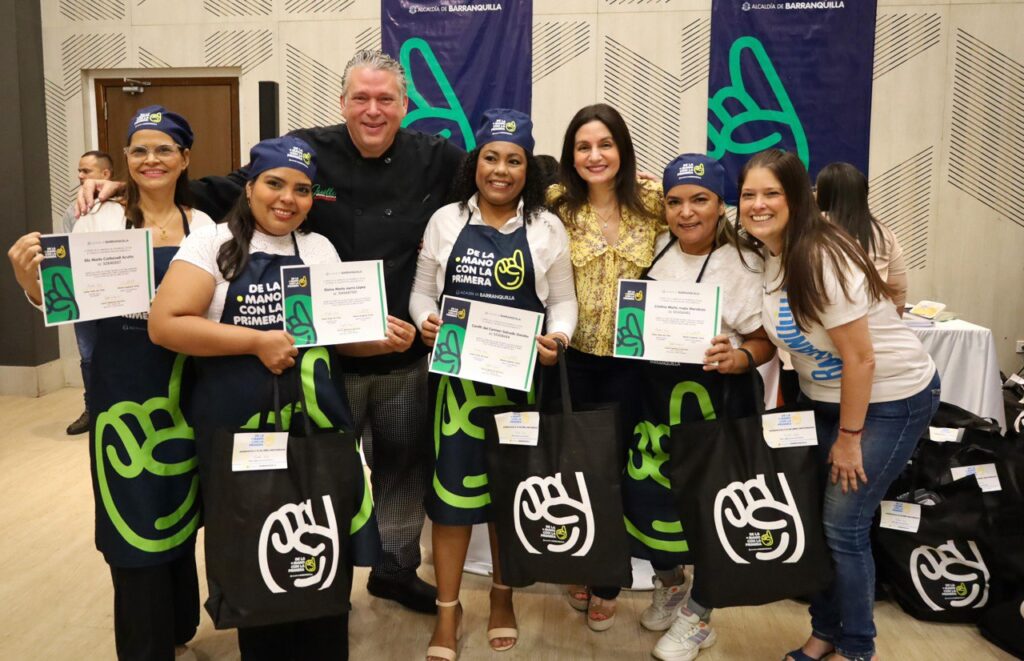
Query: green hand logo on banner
{"type": "Point", "coordinates": [142, 457]}
{"type": "Point", "coordinates": [424, 110]}
{"type": "Point", "coordinates": [722, 139]}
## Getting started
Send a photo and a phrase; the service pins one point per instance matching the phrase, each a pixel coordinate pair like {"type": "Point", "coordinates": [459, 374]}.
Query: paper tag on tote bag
{"type": "Point", "coordinates": [791, 429]}
{"type": "Point", "coordinates": [260, 451]}
{"type": "Point", "coordinates": [518, 427]}
{"type": "Point", "coordinates": [902, 516]}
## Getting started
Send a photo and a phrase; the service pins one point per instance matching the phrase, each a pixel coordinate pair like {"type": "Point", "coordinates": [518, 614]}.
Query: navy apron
{"type": "Point", "coordinates": [670, 393]}
{"type": "Point", "coordinates": [488, 266]}
{"type": "Point", "coordinates": [141, 448]}
{"type": "Point", "coordinates": [233, 392]}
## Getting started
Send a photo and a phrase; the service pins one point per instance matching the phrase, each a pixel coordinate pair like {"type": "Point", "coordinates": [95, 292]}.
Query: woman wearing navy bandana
{"type": "Point", "coordinates": [872, 386]}
{"type": "Point", "coordinates": [500, 214]}
{"type": "Point", "coordinates": [201, 310]}
{"type": "Point", "coordinates": [141, 448]}
{"type": "Point", "coordinates": [700, 247]}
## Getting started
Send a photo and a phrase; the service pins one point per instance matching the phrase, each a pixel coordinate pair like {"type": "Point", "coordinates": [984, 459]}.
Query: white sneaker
{"type": "Point", "coordinates": [685, 639]}
{"type": "Point", "coordinates": [664, 602]}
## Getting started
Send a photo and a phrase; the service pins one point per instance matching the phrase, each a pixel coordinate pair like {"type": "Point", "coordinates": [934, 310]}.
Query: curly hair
{"type": "Point", "coordinates": [464, 185]}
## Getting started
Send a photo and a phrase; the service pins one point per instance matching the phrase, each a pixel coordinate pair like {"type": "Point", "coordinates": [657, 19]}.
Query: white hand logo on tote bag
{"type": "Point", "coordinates": [751, 504]}
{"type": "Point", "coordinates": [295, 521]}
{"type": "Point", "coordinates": [545, 498]}
{"type": "Point", "coordinates": [939, 565]}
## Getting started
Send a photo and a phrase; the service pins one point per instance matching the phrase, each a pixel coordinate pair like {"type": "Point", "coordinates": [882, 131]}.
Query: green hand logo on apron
{"type": "Point", "coordinates": [448, 354]}
{"type": "Point", "coordinates": [142, 459]}
{"type": "Point", "coordinates": [452, 418]}
{"type": "Point", "coordinates": [299, 319]}
{"type": "Point", "coordinates": [652, 456]}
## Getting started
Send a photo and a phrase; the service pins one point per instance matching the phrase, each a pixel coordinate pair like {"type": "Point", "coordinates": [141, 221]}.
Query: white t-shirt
{"type": "Point", "coordinates": [902, 366]}
{"type": "Point", "coordinates": [549, 250]}
{"type": "Point", "coordinates": [741, 287]}
{"type": "Point", "coordinates": [201, 248]}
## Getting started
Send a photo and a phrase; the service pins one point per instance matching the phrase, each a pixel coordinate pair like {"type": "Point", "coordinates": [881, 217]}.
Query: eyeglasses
{"type": "Point", "coordinates": [161, 152]}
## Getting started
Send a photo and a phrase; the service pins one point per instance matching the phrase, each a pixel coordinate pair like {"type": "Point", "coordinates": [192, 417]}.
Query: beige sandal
{"type": "Point", "coordinates": [502, 632]}
{"type": "Point", "coordinates": [447, 653]}
{"type": "Point", "coordinates": [578, 596]}
{"type": "Point", "coordinates": [599, 606]}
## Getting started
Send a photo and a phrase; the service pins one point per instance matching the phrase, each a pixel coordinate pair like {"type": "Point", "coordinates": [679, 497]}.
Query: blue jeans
{"type": "Point", "coordinates": [842, 614]}
{"type": "Point", "coordinates": [85, 335]}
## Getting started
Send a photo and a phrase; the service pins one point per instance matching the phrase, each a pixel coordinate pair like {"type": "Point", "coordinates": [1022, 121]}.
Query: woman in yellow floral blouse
{"type": "Point", "coordinates": [612, 220]}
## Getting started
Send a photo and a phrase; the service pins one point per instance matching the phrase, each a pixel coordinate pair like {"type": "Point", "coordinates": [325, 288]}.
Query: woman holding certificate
{"type": "Point", "coordinates": [612, 220]}
{"type": "Point", "coordinates": [872, 385]}
{"type": "Point", "coordinates": [700, 247]}
{"type": "Point", "coordinates": [222, 301]}
{"type": "Point", "coordinates": [497, 245]}
{"type": "Point", "coordinates": [142, 451]}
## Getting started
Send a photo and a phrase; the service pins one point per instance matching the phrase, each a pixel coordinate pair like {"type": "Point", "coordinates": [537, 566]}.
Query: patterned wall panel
{"type": "Point", "coordinates": [89, 51]}
{"type": "Point", "coordinates": [901, 198]}
{"type": "Point", "coordinates": [61, 186]}
{"type": "Point", "coordinates": [368, 39]}
{"type": "Point", "coordinates": [901, 37]}
{"type": "Point", "coordinates": [312, 91]}
{"type": "Point", "coordinates": [239, 7]}
{"type": "Point", "coordinates": [149, 60]}
{"type": "Point", "coordinates": [986, 137]}
{"type": "Point", "coordinates": [317, 6]}
{"type": "Point", "coordinates": [92, 10]}
{"type": "Point", "coordinates": [238, 48]}
{"type": "Point", "coordinates": [648, 98]}
{"type": "Point", "coordinates": [696, 49]}
{"type": "Point", "coordinates": [556, 43]}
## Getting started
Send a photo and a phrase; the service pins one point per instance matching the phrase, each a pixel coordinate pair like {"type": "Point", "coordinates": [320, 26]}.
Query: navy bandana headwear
{"type": "Point", "coordinates": [284, 152]}
{"type": "Point", "coordinates": [695, 169]}
{"type": "Point", "coordinates": [158, 118]}
{"type": "Point", "coordinates": [506, 125]}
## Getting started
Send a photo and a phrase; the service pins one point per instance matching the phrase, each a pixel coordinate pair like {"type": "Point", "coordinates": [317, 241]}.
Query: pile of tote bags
{"type": "Point", "coordinates": [950, 537]}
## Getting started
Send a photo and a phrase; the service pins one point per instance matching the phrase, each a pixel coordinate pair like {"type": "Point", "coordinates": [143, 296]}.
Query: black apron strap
{"type": "Point", "coordinates": [184, 219]}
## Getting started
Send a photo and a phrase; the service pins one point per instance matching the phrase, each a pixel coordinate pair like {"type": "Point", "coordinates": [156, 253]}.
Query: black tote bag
{"type": "Point", "coordinates": [751, 514]}
{"type": "Point", "coordinates": [557, 506]}
{"type": "Point", "coordinates": [277, 541]}
{"type": "Point", "coordinates": [944, 571]}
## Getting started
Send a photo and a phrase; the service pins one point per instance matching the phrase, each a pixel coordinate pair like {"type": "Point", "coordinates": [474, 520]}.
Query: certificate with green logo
{"type": "Point", "coordinates": [666, 321]}
{"type": "Point", "coordinates": [338, 303]}
{"type": "Point", "coordinates": [95, 275]}
{"type": "Point", "coordinates": [493, 344]}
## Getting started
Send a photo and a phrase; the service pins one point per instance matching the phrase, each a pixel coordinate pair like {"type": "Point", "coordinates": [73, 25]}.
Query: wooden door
{"type": "Point", "coordinates": [209, 104]}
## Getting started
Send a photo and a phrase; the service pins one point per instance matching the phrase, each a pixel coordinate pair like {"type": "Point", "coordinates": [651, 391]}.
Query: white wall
{"type": "Point", "coordinates": [947, 121]}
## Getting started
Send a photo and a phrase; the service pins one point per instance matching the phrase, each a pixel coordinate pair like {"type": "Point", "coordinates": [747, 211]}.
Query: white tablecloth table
{"type": "Point", "coordinates": [965, 355]}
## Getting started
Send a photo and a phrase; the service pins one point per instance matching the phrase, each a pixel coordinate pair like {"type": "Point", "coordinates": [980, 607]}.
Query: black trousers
{"type": "Point", "coordinates": [323, 639]}
{"type": "Point", "coordinates": [597, 380]}
{"type": "Point", "coordinates": [155, 608]}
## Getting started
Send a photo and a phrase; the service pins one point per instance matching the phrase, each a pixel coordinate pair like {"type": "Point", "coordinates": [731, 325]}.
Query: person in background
{"type": "Point", "coordinates": [842, 194]}
{"type": "Point", "coordinates": [91, 165]}
{"type": "Point", "coordinates": [612, 220]}
{"type": "Point", "coordinates": [147, 507]}
{"type": "Point", "coordinates": [501, 213]}
{"type": "Point", "coordinates": [700, 247]}
{"type": "Point", "coordinates": [871, 384]}
{"type": "Point", "coordinates": [376, 187]}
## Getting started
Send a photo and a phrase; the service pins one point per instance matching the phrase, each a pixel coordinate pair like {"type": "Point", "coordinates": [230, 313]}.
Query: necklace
{"type": "Point", "coordinates": [603, 218]}
{"type": "Point", "coordinates": [163, 228]}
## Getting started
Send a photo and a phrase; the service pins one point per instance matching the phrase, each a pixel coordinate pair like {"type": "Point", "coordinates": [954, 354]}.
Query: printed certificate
{"type": "Point", "coordinates": [335, 303]}
{"type": "Point", "coordinates": [493, 344]}
{"type": "Point", "coordinates": [95, 275]}
{"type": "Point", "coordinates": [666, 321]}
